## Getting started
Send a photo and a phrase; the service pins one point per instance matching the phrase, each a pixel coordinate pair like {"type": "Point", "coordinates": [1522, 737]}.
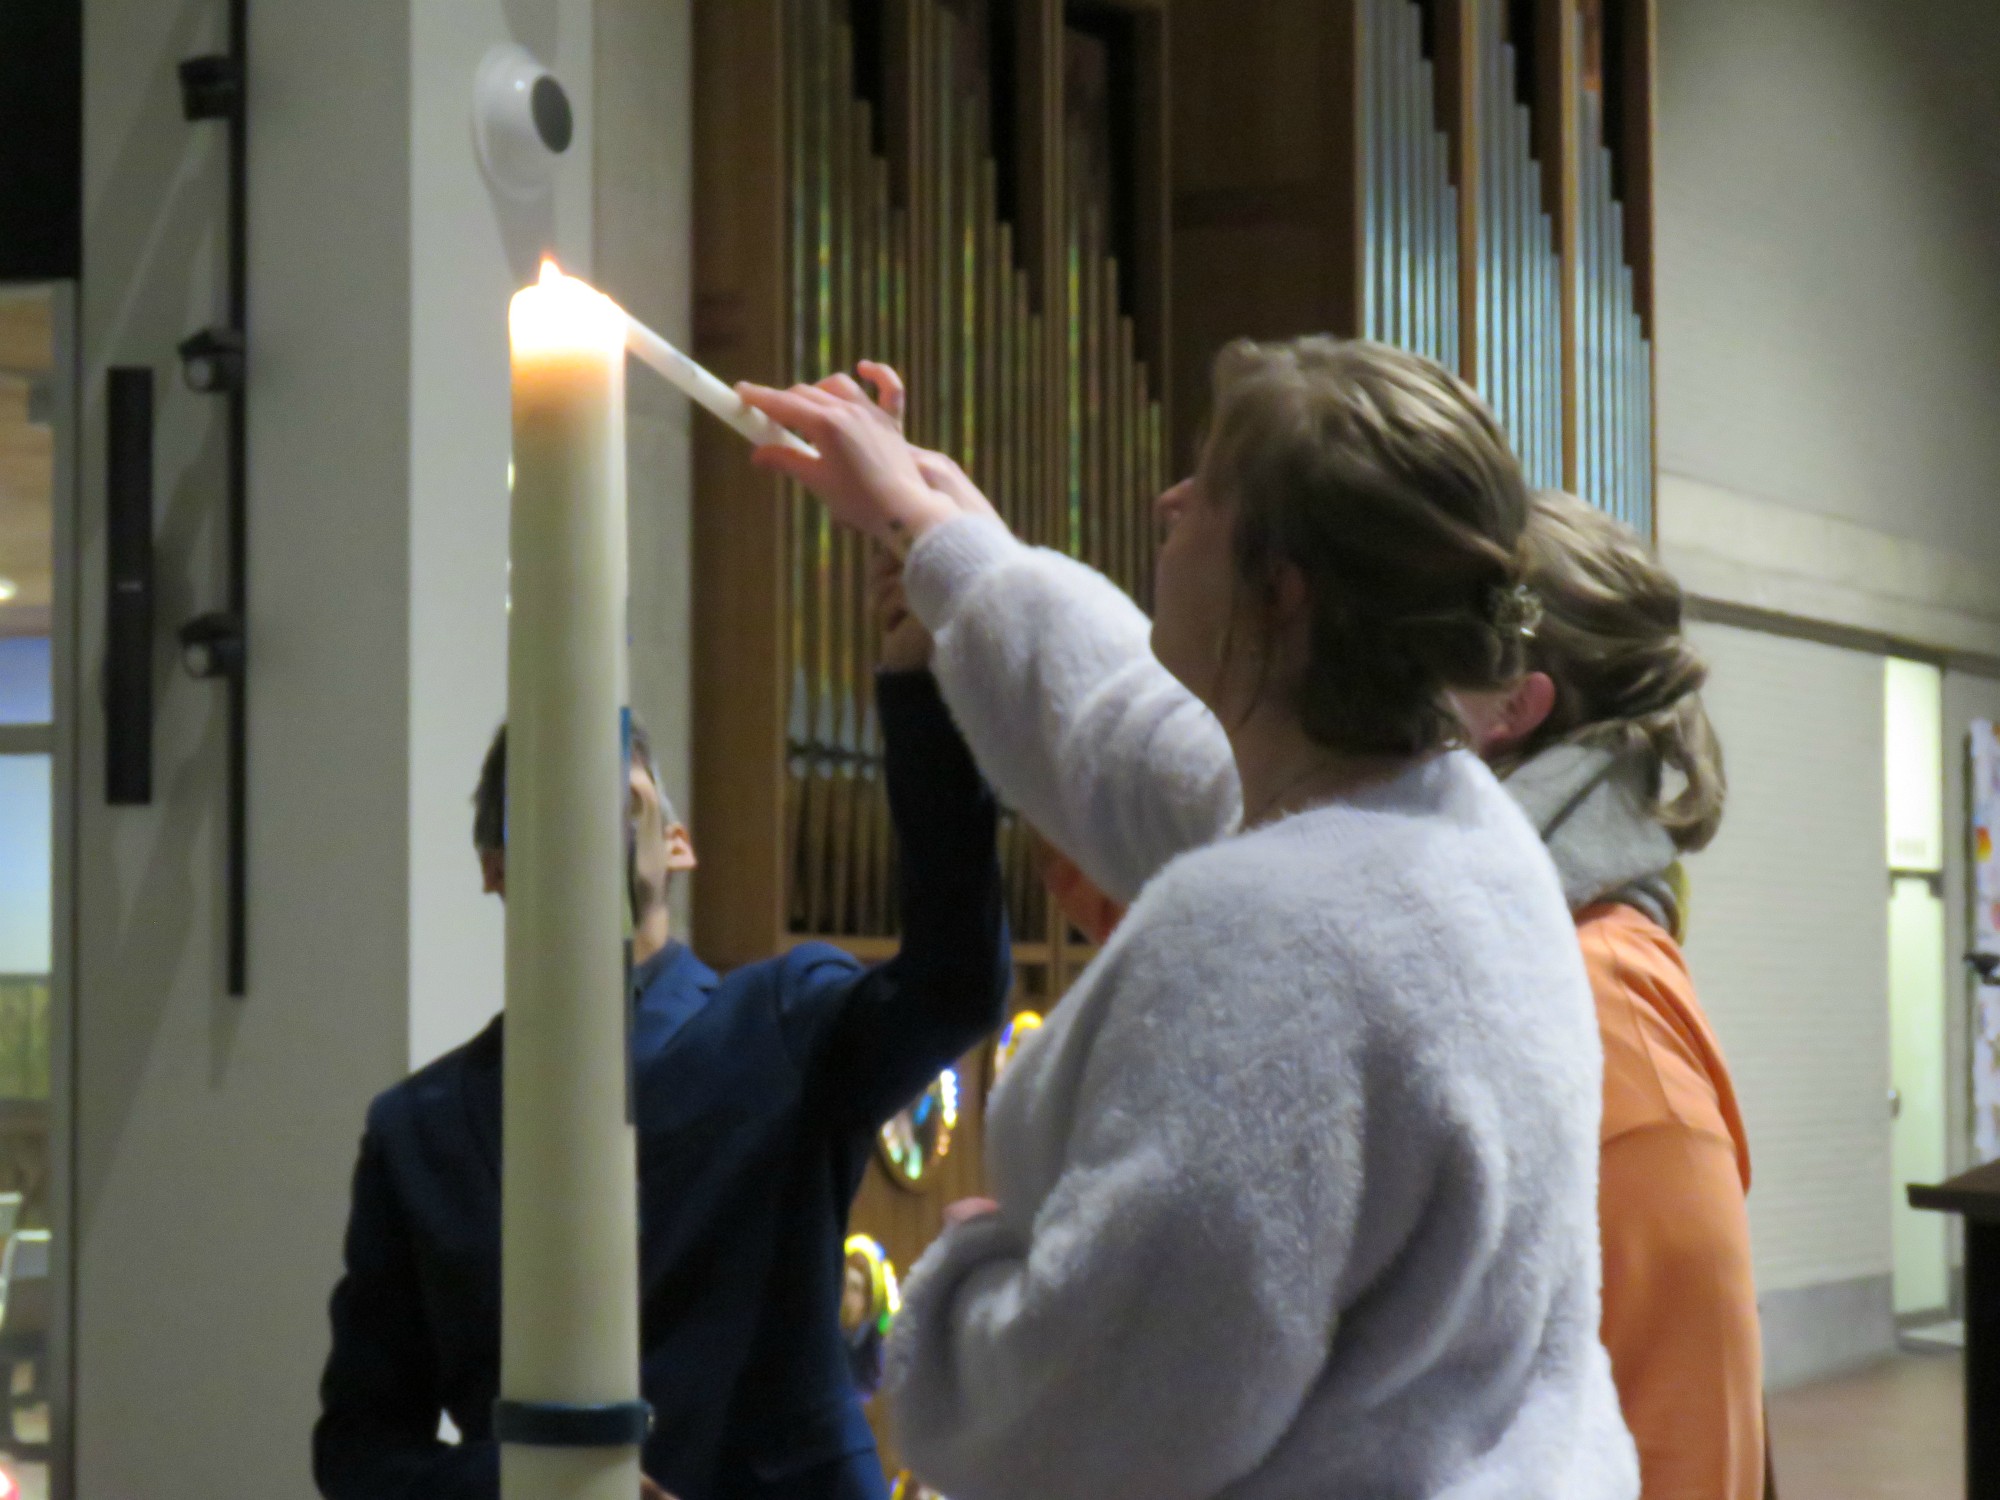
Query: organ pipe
{"type": "Point", "coordinates": [1410, 207]}
{"type": "Point", "coordinates": [933, 280]}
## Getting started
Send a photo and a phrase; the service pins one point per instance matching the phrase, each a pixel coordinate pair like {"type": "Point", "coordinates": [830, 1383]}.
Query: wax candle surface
{"type": "Point", "coordinates": [569, 1257]}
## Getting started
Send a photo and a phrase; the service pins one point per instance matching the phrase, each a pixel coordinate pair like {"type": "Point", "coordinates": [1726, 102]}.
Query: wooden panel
{"type": "Point", "coordinates": [27, 331]}
{"type": "Point", "coordinates": [1638, 62]}
{"type": "Point", "coordinates": [959, 243]}
{"type": "Point", "coordinates": [1630, 39]}
{"type": "Point", "coordinates": [1458, 94]}
{"type": "Point", "coordinates": [27, 526]}
{"type": "Point", "coordinates": [1038, 146]}
{"type": "Point", "coordinates": [1152, 299]}
{"type": "Point", "coordinates": [1247, 94]}
{"type": "Point", "coordinates": [1266, 197]}
{"type": "Point", "coordinates": [738, 607]}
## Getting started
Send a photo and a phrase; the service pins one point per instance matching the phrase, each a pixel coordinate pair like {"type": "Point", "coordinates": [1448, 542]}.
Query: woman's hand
{"type": "Point", "coordinates": [864, 472]}
{"type": "Point", "coordinates": [967, 1209]}
{"type": "Point", "coordinates": [942, 473]}
{"type": "Point", "coordinates": [890, 396]}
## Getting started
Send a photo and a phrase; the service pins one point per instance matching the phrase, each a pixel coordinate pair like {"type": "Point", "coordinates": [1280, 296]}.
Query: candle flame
{"type": "Point", "coordinates": [559, 312]}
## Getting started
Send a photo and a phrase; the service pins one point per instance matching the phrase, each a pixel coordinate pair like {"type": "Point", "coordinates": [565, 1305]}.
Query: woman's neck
{"type": "Point", "coordinates": [1283, 770]}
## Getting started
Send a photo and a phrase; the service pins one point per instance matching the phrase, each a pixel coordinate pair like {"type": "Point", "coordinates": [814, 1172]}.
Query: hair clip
{"type": "Point", "coordinates": [1517, 611]}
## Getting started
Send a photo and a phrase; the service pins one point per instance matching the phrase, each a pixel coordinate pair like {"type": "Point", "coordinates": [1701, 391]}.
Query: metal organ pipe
{"type": "Point", "coordinates": [1510, 240]}
{"type": "Point", "coordinates": [1371, 172]}
{"type": "Point", "coordinates": [1436, 186]}
{"type": "Point", "coordinates": [1406, 174]}
{"type": "Point", "coordinates": [1399, 207]}
{"type": "Point", "coordinates": [1607, 281]}
{"type": "Point", "coordinates": [1423, 263]}
{"type": "Point", "coordinates": [1416, 176]}
{"type": "Point", "coordinates": [1483, 205]}
{"type": "Point", "coordinates": [1409, 209]}
{"type": "Point", "coordinates": [1611, 217]}
{"type": "Point", "coordinates": [1586, 280]}
{"type": "Point", "coordinates": [1520, 224]}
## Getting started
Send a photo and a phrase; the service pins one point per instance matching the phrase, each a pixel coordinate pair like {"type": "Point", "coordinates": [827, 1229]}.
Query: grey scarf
{"type": "Point", "coordinates": [1592, 811]}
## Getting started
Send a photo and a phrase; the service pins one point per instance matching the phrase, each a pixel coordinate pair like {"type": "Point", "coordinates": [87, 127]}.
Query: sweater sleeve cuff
{"type": "Point", "coordinates": [948, 559]}
{"type": "Point", "coordinates": [924, 1329]}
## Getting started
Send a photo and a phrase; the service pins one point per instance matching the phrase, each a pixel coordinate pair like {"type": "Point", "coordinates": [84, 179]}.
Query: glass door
{"type": "Point", "coordinates": [1913, 698]}
{"type": "Point", "coordinates": [36, 439]}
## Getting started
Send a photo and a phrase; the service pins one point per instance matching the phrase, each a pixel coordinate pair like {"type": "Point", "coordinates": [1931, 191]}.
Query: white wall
{"type": "Point", "coordinates": [470, 247]}
{"type": "Point", "coordinates": [644, 171]}
{"type": "Point", "coordinates": [1788, 943]}
{"type": "Point", "coordinates": [214, 1136]}
{"type": "Point", "coordinates": [1829, 419]}
{"type": "Point", "coordinates": [1829, 200]}
{"type": "Point", "coordinates": [619, 214]}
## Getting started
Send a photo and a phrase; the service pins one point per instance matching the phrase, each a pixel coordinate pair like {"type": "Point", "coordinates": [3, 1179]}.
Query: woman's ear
{"type": "Point", "coordinates": [1504, 719]}
{"type": "Point", "coordinates": [1289, 598]}
{"type": "Point", "coordinates": [1534, 699]}
{"type": "Point", "coordinates": [1524, 708]}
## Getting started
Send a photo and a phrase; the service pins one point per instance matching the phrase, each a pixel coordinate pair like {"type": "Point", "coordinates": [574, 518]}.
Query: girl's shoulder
{"type": "Point", "coordinates": [1663, 1064]}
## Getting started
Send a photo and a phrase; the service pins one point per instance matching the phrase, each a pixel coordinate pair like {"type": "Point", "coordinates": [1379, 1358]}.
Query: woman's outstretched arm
{"type": "Point", "coordinates": [1049, 670]}
{"type": "Point", "coordinates": [1046, 665]}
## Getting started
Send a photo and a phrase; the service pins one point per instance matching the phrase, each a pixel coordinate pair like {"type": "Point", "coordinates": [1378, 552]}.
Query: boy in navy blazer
{"type": "Point", "coordinates": [758, 1099]}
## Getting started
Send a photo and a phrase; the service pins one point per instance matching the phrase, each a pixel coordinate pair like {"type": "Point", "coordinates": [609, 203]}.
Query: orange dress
{"type": "Point", "coordinates": [1680, 1303]}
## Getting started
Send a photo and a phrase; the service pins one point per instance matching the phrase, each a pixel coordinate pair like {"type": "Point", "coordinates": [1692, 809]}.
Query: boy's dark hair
{"type": "Point", "coordinates": [489, 798]}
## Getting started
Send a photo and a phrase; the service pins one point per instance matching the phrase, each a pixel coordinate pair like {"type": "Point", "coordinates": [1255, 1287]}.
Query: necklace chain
{"type": "Point", "coordinates": [1285, 791]}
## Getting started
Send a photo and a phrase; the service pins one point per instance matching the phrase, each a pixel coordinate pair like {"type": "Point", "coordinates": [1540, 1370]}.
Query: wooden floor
{"type": "Point", "coordinates": [1895, 1432]}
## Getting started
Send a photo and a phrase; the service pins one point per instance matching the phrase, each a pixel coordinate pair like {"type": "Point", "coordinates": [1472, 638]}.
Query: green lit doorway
{"type": "Point", "coordinates": [1919, 978]}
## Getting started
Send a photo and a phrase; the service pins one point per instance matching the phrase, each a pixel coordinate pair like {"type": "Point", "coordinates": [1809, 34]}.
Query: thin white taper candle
{"type": "Point", "coordinates": [569, 1217]}
{"type": "Point", "coordinates": [705, 390]}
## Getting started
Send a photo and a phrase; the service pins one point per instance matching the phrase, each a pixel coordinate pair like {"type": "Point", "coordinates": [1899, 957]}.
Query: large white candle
{"type": "Point", "coordinates": [569, 1231]}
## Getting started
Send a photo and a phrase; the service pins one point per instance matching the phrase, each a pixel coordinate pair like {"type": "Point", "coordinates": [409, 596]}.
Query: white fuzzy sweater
{"type": "Point", "coordinates": [1298, 1186]}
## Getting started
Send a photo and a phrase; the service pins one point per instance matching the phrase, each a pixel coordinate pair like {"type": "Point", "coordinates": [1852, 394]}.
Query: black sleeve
{"type": "Point", "coordinates": [884, 1034]}
{"type": "Point", "coordinates": [376, 1438]}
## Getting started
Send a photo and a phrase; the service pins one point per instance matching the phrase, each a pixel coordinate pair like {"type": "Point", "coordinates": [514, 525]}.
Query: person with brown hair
{"type": "Point", "coordinates": [1605, 744]}
{"type": "Point", "coordinates": [1295, 1193]}
{"type": "Point", "coordinates": [1588, 740]}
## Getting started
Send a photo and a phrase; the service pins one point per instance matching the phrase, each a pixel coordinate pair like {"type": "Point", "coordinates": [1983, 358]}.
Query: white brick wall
{"type": "Point", "coordinates": [1789, 947]}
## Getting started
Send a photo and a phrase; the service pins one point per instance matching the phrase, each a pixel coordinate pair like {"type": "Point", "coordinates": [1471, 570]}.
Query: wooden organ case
{"type": "Point", "coordinates": [974, 191]}
{"type": "Point", "coordinates": [984, 194]}
{"type": "Point", "coordinates": [1471, 179]}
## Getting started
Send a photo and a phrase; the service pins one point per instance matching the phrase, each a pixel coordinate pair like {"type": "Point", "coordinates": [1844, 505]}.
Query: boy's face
{"type": "Point", "coordinates": [658, 848]}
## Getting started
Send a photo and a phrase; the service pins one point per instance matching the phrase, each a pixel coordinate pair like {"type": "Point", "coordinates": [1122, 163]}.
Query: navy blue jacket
{"type": "Point", "coordinates": [758, 1099]}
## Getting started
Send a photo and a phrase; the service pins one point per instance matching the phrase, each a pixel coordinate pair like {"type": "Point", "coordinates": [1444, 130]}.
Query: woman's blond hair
{"type": "Point", "coordinates": [1626, 677]}
{"type": "Point", "coordinates": [1385, 481]}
